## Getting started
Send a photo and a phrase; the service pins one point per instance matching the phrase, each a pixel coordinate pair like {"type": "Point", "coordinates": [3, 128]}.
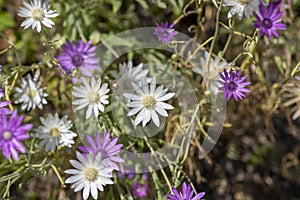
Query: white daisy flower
{"type": "Point", "coordinates": [30, 94]}
{"type": "Point", "coordinates": [148, 101]}
{"type": "Point", "coordinates": [55, 131]}
{"type": "Point", "coordinates": [215, 66]}
{"type": "Point", "coordinates": [37, 12]}
{"type": "Point", "coordinates": [128, 74]}
{"type": "Point", "coordinates": [90, 174]}
{"type": "Point", "coordinates": [93, 96]}
{"type": "Point", "coordinates": [241, 7]}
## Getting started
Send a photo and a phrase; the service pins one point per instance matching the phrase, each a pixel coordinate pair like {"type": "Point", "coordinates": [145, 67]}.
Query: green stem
{"type": "Point", "coordinates": [295, 69]}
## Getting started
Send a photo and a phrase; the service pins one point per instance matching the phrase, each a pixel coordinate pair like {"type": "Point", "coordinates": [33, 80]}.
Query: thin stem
{"type": "Point", "coordinates": [161, 168]}
{"type": "Point", "coordinates": [214, 37]}
{"type": "Point", "coordinates": [203, 44]}
{"type": "Point", "coordinates": [228, 39]}
{"type": "Point", "coordinates": [295, 69]}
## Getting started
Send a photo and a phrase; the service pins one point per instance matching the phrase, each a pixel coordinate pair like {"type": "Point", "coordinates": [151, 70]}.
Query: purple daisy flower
{"type": "Point", "coordinates": [164, 32]}
{"type": "Point", "coordinates": [139, 190]}
{"type": "Point", "coordinates": [233, 85]}
{"type": "Point", "coordinates": [78, 55]}
{"type": "Point", "coordinates": [269, 21]}
{"type": "Point", "coordinates": [11, 134]}
{"type": "Point", "coordinates": [186, 194]}
{"type": "Point", "coordinates": [107, 147]}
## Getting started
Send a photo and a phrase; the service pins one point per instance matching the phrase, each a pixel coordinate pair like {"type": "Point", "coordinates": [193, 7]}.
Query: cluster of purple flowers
{"type": "Point", "coordinates": [268, 21]}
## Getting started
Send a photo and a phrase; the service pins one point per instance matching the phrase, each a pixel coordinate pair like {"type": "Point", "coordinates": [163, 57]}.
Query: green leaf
{"type": "Point", "coordinates": [116, 5]}
{"type": "Point", "coordinates": [143, 4]}
{"type": "Point", "coordinates": [6, 21]}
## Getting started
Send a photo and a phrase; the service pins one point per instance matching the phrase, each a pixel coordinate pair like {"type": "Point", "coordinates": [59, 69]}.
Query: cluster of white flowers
{"type": "Point", "coordinates": [142, 95]}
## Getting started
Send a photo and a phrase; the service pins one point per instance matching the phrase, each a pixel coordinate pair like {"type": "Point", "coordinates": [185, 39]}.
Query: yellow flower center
{"type": "Point", "coordinates": [91, 174]}
{"type": "Point", "coordinates": [148, 101]}
{"type": "Point", "coordinates": [31, 93]}
{"type": "Point", "coordinates": [93, 97]}
{"type": "Point", "coordinates": [54, 132]}
{"type": "Point", "coordinates": [244, 2]}
{"type": "Point", "coordinates": [6, 135]}
{"type": "Point", "coordinates": [37, 14]}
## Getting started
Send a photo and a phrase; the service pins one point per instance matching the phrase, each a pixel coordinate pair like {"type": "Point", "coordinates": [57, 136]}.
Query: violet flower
{"type": "Point", "coordinates": [186, 194]}
{"type": "Point", "coordinates": [269, 20]}
{"type": "Point", "coordinates": [139, 190]}
{"type": "Point", "coordinates": [109, 148]}
{"type": "Point", "coordinates": [232, 85]}
{"type": "Point", "coordinates": [78, 55]}
{"type": "Point", "coordinates": [11, 135]}
{"type": "Point", "coordinates": [164, 32]}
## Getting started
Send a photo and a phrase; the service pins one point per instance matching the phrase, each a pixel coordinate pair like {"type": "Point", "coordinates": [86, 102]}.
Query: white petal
{"type": "Point", "coordinates": [89, 112]}
{"type": "Point", "coordinates": [161, 111]}
{"type": "Point", "coordinates": [27, 23]}
{"type": "Point", "coordinates": [134, 111]}
{"type": "Point", "coordinates": [38, 27]}
{"type": "Point", "coordinates": [147, 117]}
{"type": "Point", "coordinates": [164, 105]}
{"type": "Point", "coordinates": [72, 171]}
{"type": "Point", "coordinates": [139, 117]}
{"type": "Point", "coordinates": [166, 97]}
{"type": "Point", "coordinates": [74, 179]}
{"type": "Point", "coordinates": [155, 118]}
{"type": "Point", "coordinates": [86, 192]}
{"type": "Point", "coordinates": [94, 190]}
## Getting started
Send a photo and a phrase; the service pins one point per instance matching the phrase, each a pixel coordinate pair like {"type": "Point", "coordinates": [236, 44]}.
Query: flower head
{"type": "Point", "coordinates": [164, 32]}
{"type": "Point", "coordinates": [11, 135]}
{"type": "Point", "coordinates": [90, 174]}
{"type": "Point", "coordinates": [139, 190]}
{"type": "Point", "coordinates": [269, 21]}
{"type": "Point", "coordinates": [78, 55]}
{"type": "Point", "coordinates": [107, 147]}
{"type": "Point", "coordinates": [37, 13]}
{"type": "Point", "coordinates": [30, 94]}
{"type": "Point", "coordinates": [232, 85]}
{"type": "Point", "coordinates": [186, 194]}
{"type": "Point", "coordinates": [128, 74]}
{"type": "Point", "coordinates": [212, 76]}
{"type": "Point", "coordinates": [241, 7]}
{"type": "Point", "coordinates": [148, 101]}
{"type": "Point", "coordinates": [55, 132]}
{"type": "Point", "coordinates": [91, 95]}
